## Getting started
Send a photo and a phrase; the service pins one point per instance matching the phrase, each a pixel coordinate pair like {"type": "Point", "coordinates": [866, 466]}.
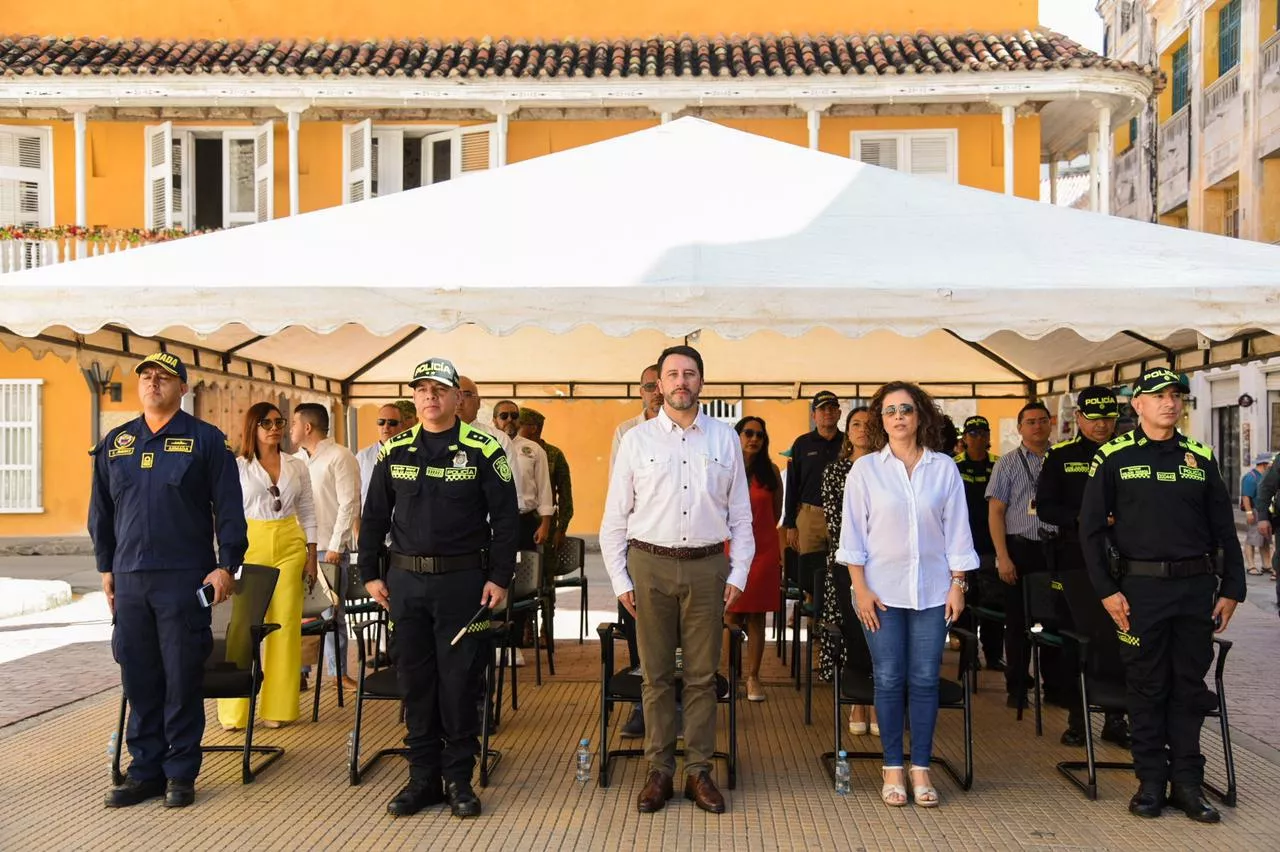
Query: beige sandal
{"type": "Point", "coordinates": [926, 795]}
{"type": "Point", "coordinates": [893, 795]}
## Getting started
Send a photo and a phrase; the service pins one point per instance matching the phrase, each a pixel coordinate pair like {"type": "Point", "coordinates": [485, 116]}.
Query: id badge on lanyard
{"type": "Point", "coordinates": [1034, 479]}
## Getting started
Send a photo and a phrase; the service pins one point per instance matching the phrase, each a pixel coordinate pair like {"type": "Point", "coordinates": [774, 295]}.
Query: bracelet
{"type": "Point", "coordinates": [960, 583]}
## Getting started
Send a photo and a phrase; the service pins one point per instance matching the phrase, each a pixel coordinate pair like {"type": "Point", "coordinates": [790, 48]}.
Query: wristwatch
{"type": "Point", "coordinates": [961, 583]}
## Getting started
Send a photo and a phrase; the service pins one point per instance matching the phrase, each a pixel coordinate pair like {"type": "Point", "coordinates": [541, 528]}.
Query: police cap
{"type": "Point", "coordinates": [437, 370]}
{"type": "Point", "coordinates": [822, 398]}
{"type": "Point", "coordinates": [166, 361]}
{"type": "Point", "coordinates": [1159, 378]}
{"type": "Point", "coordinates": [976, 425]}
{"type": "Point", "coordinates": [1097, 403]}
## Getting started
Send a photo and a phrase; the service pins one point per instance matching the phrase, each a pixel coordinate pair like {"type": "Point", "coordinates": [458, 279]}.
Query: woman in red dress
{"type": "Point", "coordinates": [761, 594]}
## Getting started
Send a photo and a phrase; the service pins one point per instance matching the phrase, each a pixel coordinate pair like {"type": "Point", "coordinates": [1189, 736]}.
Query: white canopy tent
{"type": "Point", "coordinates": [587, 262]}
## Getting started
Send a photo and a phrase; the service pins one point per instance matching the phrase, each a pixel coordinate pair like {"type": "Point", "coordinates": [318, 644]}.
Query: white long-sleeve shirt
{"type": "Point", "coordinates": [294, 486]}
{"type": "Point", "coordinates": [335, 487]}
{"type": "Point", "coordinates": [366, 459]}
{"type": "Point", "coordinates": [677, 487]}
{"type": "Point", "coordinates": [908, 533]}
{"type": "Point", "coordinates": [533, 482]}
{"type": "Point", "coordinates": [623, 428]}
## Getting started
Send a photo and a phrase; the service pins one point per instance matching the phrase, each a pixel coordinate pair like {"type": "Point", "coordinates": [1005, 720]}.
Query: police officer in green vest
{"type": "Point", "coordinates": [1160, 545]}
{"type": "Point", "coordinates": [443, 490]}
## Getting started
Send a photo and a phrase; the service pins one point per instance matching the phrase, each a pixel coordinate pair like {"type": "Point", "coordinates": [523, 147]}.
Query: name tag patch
{"type": "Point", "coordinates": [119, 451]}
{"type": "Point", "coordinates": [1075, 467]}
{"type": "Point", "coordinates": [1137, 471]}
{"type": "Point", "coordinates": [148, 460]}
{"type": "Point", "coordinates": [179, 445]}
{"type": "Point", "coordinates": [1191, 473]}
{"type": "Point", "coordinates": [1166, 476]}
{"type": "Point", "coordinates": [405, 471]}
{"type": "Point", "coordinates": [459, 474]}
{"type": "Point", "coordinates": [435, 472]}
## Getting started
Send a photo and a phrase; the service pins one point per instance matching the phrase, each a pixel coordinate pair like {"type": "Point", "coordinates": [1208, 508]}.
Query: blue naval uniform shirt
{"type": "Point", "coordinates": [156, 497]}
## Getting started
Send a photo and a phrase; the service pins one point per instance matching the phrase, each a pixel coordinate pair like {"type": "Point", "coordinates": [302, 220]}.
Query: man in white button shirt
{"type": "Point", "coordinates": [533, 482]}
{"type": "Point", "coordinates": [678, 491]}
{"type": "Point", "coordinates": [335, 485]}
{"type": "Point", "coordinates": [469, 409]}
{"type": "Point", "coordinates": [650, 404]}
{"type": "Point", "coordinates": [393, 418]}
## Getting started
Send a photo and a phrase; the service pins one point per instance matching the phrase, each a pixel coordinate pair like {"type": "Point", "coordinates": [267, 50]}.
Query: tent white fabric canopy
{"type": "Point", "coordinates": [684, 228]}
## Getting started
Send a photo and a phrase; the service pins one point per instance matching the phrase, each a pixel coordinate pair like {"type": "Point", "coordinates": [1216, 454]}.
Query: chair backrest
{"type": "Point", "coordinates": [528, 576]}
{"type": "Point", "coordinates": [235, 621]}
{"type": "Point", "coordinates": [1038, 597]}
{"type": "Point", "coordinates": [810, 566]}
{"type": "Point", "coordinates": [569, 557]}
{"type": "Point", "coordinates": [354, 590]}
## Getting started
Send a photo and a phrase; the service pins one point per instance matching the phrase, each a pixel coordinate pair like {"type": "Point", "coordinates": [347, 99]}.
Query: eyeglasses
{"type": "Point", "coordinates": [906, 409]}
{"type": "Point", "coordinates": [752, 433]}
{"type": "Point", "coordinates": [274, 491]}
{"type": "Point", "coordinates": [387, 421]}
{"type": "Point", "coordinates": [649, 387]}
{"type": "Point", "coordinates": [507, 415]}
{"type": "Point", "coordinates": [267, 424]}
{"type": "Point", "coordinates": [1036, 421]}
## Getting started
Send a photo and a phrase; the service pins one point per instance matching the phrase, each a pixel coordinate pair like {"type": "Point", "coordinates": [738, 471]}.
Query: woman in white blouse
{"type": "Point", "coordinates": [282, 534]}
{"type": "Point", "coordinates": [905, 538]}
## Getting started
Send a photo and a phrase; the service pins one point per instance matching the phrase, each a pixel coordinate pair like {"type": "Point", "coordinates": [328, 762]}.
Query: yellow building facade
{"type": "Point", "coordinates": [143, 121]}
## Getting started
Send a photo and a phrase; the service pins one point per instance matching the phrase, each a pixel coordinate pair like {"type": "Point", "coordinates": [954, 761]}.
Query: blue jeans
{"type": "Point", "coordinates": [906, 653]}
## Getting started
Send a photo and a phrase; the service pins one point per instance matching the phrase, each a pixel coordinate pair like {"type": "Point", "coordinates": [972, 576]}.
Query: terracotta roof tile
{"type": "Point", "coordinates": [665, 57]}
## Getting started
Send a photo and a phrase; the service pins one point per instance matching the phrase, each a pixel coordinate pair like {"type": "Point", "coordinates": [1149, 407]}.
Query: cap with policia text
{"type": "Point", "coordinates": [1097, 403]}
{"type": "Point", "coordinates": [437, 370]}
{"type": "Point", "coordinates": [1159, 378]}
{"type": "Point", "coordinates": [166, 361]}
{"type": "Point", "coordinates": [974, 425]}
{"type": "Point", "coordinates": [822, 398]}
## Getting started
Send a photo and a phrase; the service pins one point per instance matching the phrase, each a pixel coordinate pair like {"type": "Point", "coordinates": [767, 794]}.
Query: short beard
{"type": "Point", "coordinates": [683, 406]}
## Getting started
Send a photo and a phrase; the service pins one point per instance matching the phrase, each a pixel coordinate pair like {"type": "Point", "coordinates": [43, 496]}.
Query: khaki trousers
{"type": "Point", "coordinates": [811, 529]}
{"type": "Point", "coordinates": [679, 603]}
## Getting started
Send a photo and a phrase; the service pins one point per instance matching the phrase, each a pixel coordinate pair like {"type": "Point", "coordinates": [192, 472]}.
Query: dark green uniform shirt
{"type": "Point", "coordinates": [975, 475]}
{"type": "Point", "coordinates": [1169, 503]}
{"type": "Point", "coordinates": [1060, 489]}
{"type": "Point", "coordinates": [441, 494]}
{"type": "Point", "coordinates": [561, 487]}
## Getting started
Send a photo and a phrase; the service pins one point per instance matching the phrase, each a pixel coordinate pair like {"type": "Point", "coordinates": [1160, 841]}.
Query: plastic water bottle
{"type": "Point", "coordinates": [582, 766]}
{"type": "Point", "coordinates": [113, 745]}
{"type": "Point", "coordinates": [351, 746]}
{"type": "Point", "coordinates": [842, 774]}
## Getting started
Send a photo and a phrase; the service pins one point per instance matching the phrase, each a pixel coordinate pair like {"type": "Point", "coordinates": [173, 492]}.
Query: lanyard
{"type": "Point", "coordinates": [1022, 458]}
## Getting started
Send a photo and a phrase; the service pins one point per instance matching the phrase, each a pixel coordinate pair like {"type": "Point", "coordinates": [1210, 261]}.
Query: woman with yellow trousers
{"type": "Point", "coordinates": [282, 534]}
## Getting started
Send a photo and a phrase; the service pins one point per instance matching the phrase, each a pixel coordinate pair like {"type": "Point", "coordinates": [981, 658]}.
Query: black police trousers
{"type": "Point", "coordinates": [1167, 653]}
{"type": "Point", "coordinates": [161, 640]}
{"type": "Point", "coordinates": [440, 682]}
{"type": "Point", "coordinates": [1028, 558]}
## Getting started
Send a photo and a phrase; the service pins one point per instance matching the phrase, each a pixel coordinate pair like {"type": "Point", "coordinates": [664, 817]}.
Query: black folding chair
{"type": "Point", "coordinates": [322, 626]}
{"type": "Point", "coordinates": [379, 683]}
{"type": "Point", "coordinates": [524, 599]}
{"type": "Point", "coordinates": [786, 592]}
{"type": "Point", "coordinates": [819, 592]}
{"type": "Point", "coordinates": [624, 686]}
{"type": "Point", "coordinates": [569, 559]}
{"type": "Point", "coordinates": [1041, 602]}
{"type": "Point", "coordinates": [234, 667]}
{"type": "Point", "coordinates": [1103, 690]}
{"type": "Point", "coordinates": [807, 567]}
{"type": "Point", "coordinates": [854, 684]}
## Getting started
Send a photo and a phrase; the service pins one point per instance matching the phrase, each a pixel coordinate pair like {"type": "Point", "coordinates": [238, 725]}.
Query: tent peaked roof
{"type": "Point", "coordinates": [684, 226]}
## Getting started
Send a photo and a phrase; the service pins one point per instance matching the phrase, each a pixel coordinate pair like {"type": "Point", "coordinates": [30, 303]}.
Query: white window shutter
{"type": "Point", "coordinates": [476, 149]}
{"type": "Point", "coordinates": [932, 155]}
{"type": "Point", "coordinates": [159, 176]}
{"type": "Point", "coordinates": [20, 447]}
{"type": "Point", "coordinates": [357, 162]}
{"type": "Point", "coordinates": [436, 169]}
{"type": "Point", "coordinates": [181, 187]}
{"type": "Point", "coordinates": [264, 172]}
{"type": "Point", "coordinates": [386, 172]}
{"type": "Point", "coordinates": [878, 151]}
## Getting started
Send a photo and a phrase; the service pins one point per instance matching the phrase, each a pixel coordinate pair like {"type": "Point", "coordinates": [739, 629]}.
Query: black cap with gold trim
{"type": "Point", "coordinates": [976, 425]}
{"type": "Point", "coordinates": [1159, 378]}
{"type": "Point", "coordinates": [437, 370]}
{"type": "Point", "coordinates": [1097, 403]}
{"type": "Point", "coordinates": [166, 361]}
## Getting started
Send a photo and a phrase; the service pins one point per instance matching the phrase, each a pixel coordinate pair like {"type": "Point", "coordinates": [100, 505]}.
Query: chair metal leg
{"type": "Point", "coordinates": [117, 777]}
{"type": "Point", "coordinates": [1035, 686]}
{"type": "Point", "coordinates": [582, 631]}
{"type": "Point", "coordinates": [353, 750]}
{"type": "Point", "coordinates": [537, 649]}
{"type": "Point", "coordinates": [808, 679]}
{"type": "Point", "coordinates": [315, 703]}
{"type": "Point", "coordinates": [1227, 796]}
{"type": "Point", "coordinates": [339, 664]}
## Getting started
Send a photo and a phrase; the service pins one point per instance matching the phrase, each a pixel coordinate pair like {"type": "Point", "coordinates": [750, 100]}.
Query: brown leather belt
{"type": "Point", "coordinates": [682, 553]}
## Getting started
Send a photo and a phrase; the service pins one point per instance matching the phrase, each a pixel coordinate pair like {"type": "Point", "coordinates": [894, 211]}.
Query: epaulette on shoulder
{"type": "Point", "coordinates": [958, 457]}
{"type": "Point", "coordinates": [400, 440]}
{"type": "Point", "coordinates": [1120, 442]}
{"type": "Point", "coordinates": [1068, 442]}
{"type": "Point", "coordinates": [1196, 447]}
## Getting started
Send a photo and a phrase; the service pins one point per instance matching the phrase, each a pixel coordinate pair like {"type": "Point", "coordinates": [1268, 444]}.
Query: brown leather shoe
{"type": "Point", "coordinates": [657, 790]}
{"type": "Point", "coordinates": [702, 791]}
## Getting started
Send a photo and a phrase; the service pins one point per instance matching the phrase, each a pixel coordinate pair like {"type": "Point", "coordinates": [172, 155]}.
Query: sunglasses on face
{"type": "Point", "coordinates": [649, 387]}
{"type": "Point", "coordinates": [906, 409]}
{"type": "Point", "coordinates": [387, 421]}
{"type": "Point", "coordinates": [274, 491]}
{"type": "Point", "coordinates": [268, 424]}
{"type": "Point", "coordinates": [506, 415]}
{"type": "Point", "coordinates": [752, 433]}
